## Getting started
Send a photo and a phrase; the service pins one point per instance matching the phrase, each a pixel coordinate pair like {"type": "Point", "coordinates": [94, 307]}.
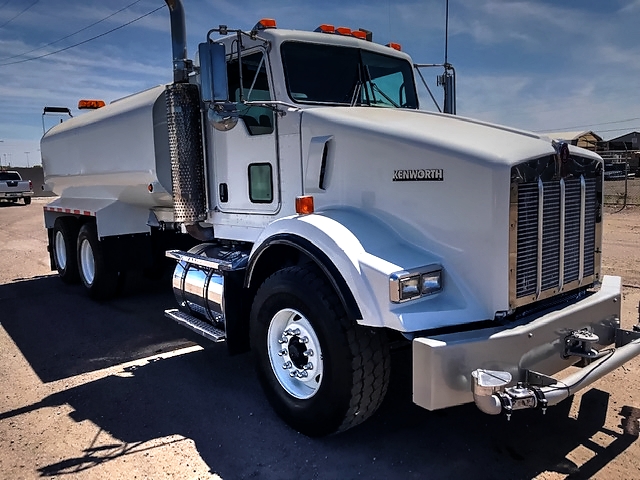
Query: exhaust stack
{"type": "Point", "coordinates": [181, 64]}
{"type": "Point", "coordinates": [185, 140]}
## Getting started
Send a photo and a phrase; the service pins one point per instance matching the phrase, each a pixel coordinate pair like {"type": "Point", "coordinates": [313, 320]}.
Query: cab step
{"type": "Point", "coordinates": [201, 328]}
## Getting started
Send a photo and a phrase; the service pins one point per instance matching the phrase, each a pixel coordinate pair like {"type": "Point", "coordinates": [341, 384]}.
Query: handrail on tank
{"type": "Point", "coordinates": [57, 111]}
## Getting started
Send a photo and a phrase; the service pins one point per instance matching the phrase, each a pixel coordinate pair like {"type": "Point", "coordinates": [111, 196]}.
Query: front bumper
{"type": "Point", "coordinates": [442, 365]}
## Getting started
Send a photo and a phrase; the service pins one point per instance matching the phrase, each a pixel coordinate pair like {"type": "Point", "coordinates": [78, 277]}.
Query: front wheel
{"type": "Point", "coordinates": [321, 372]}
{"type": "Point", "coordinates": [99, 278]}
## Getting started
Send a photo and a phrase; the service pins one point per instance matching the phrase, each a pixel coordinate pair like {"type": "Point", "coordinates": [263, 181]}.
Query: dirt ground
{"type": "Point", "coordinates": [116, 391]}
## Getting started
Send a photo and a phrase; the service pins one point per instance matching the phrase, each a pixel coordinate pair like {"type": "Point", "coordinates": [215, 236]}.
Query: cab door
{"type": "Point", "coordinates": [245, 157]}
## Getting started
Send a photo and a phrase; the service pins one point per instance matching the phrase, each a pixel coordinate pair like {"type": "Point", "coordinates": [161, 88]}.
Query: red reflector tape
{"type": "Point", "coordinates": [74, 211]}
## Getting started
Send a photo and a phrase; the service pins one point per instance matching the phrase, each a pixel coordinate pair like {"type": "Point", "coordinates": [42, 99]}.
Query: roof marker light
{"type": "Point", "coordinates": [395, 46]}
{"type": "Point", "coordinates": [265, 23]}
{"type": "Point", "coordinates": [304, 204]}
{"type": "Point", "coordinates": [325, 28]}
{"type": "Point", "coordinates": [368, 34]}
{"type": "Point", "coordinates": [343, 30]}
{"type": "Point", "coordinates": [90, 104]}
{"type": "Point", "coordinates": [359, 34]}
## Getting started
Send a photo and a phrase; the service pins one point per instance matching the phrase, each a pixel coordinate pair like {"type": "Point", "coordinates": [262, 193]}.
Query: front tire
{"type": "Point", "coordinates": [321, 372]}
{"type": "Point", "coordinates": [65, 236]}
{"type": "Point", "coordinates": [100, 280]}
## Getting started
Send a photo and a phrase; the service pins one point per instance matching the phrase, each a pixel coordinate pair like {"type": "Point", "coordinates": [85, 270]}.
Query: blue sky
{"type": "Point", "coordinates": [539, 65]}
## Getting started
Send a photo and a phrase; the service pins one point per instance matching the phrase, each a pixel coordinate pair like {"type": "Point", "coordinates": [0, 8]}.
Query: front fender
{"type": "Point", "coordinates": [365, 252]}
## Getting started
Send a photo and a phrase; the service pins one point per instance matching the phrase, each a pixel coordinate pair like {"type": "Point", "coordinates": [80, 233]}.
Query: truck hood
{"type": "Point", "coordinates": [450, 135]}
{"type": "Point", "coordinates": [439, 184]}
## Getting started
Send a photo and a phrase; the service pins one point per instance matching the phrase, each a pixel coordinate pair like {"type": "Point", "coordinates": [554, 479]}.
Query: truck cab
{"type": "Point", "coordinates": [291, 72]}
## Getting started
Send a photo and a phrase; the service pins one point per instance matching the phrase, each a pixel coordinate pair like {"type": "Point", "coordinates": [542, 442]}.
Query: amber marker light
{"type": "Point", "coordinates": [150, 188]}
{"type": "Point", "coordinates": [304, 204]}
{"type": "Point", "coordinates": [343, 30]}
{"type": "Point", "coordinates": [359, 34]}
{"type": "Point", "coordinates": [325, 28]}
{"type": "Point", "coordinates": [90, 104]}
{"type": "Point", "coordinates": [395, 46]}
{"type": "Point", "coordinates": [265, 23]}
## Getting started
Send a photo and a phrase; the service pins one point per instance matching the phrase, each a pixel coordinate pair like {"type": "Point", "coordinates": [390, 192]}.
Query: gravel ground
{"type": "Point", "coordinates": [115, 390]}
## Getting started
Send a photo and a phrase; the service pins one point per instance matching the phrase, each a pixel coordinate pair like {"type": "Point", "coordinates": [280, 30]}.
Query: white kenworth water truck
{"type": "Point", "coordinates": [317, 217]}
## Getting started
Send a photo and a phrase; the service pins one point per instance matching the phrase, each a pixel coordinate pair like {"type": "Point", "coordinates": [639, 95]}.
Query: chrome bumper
{"type": "Point", "coordinates": [540, 347]}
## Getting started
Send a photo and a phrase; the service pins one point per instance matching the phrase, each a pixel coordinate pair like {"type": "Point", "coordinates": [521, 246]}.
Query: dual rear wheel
{"type": "Point", "coordinates": [79, 256]}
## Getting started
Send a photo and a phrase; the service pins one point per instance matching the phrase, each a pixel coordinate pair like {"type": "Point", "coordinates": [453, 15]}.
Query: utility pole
{"type": "Point", "coordinates": [27, 154]}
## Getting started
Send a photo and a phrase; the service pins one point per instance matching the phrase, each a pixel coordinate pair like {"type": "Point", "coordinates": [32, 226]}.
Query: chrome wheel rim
{"type": "Point", "coordinates": [61, 251]}
{"type": "Point", "coordinates": [294, 353]}
{"type": "Point", "coordinates": [87, 262]}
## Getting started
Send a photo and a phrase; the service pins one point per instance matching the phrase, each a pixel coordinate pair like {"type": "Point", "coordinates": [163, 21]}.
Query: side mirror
{"type": "Point", "coordinates": [213, 73]}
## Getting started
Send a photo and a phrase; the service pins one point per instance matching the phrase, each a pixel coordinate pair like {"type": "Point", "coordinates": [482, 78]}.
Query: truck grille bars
{"type": "Point", "coordinates": [555, 227]}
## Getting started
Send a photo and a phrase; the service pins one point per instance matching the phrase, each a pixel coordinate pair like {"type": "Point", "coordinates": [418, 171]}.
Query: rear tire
{"type": "Point", "coordinates": [100, 280]}
{"type": "Point", "coordinates": [27, 200]}
{"type": "Point", "coordinates": [65, 237]}
{"type": "Point", "coordinates": [321, 372]}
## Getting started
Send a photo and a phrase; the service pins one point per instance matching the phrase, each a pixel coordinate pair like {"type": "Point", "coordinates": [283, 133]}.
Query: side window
{"type": "Point", "coordinates": [260, 183]}
{"type": "Point", "coordinates": [258, 120]}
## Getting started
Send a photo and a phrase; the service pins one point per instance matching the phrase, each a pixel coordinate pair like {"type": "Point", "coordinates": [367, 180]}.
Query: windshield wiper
{"type": "Point", "coordinates": [375, 87]}
{"type": "Point", "coordinates": [356, 93]}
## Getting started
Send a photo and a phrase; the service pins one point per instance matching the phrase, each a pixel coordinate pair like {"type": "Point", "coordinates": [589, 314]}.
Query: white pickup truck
{"type": "Point", "coordinates": [13, 188]}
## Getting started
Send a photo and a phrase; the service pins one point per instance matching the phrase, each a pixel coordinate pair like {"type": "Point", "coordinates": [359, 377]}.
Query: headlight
{"type": "Point", "coordinates": [407, 285]}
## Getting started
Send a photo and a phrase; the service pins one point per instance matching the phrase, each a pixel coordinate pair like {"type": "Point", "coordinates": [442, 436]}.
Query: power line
{"type": "Point", "coordinates": [16, 16]}
{"type": "Point", "coordinates": [70, 35]}
{"type": "Point", "coordinates": [84, 41]}
{"type": "Point", "coordinates": [635, 129]}
{"type": "Point", "coordinates": [590, 125]}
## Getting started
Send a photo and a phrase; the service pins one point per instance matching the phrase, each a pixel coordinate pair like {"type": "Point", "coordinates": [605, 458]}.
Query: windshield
{"type": "Point", "coordinates": [347, 76]}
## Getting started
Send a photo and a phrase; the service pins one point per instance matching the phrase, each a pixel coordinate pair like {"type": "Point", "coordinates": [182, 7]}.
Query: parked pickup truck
{"type": "Point", "coordinates": [12, 187]}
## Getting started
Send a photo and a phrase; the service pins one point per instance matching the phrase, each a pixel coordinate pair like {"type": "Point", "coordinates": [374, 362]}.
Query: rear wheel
{"type": "Point", "coordinates": [65, 235]}
{"type": "Point", "coordinates": [101, 280]}
{"type": "Point", "coordinates": [321, 372]}
{"type": "Point", "coordinates": [27, 200]}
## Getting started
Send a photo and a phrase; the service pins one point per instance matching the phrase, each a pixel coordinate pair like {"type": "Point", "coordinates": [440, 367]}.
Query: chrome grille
{"type": "Point", "coordinates": [554, 233]}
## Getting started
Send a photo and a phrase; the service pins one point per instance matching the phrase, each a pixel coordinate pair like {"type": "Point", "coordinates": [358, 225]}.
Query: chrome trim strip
{"type": "Point", "coordinates": [513, 244]}
{"type": "Point", "coordinates": [562, 232]}
{"type": "Point", "coordinates": [597, 260]}
{"type": "Point", "coordinates": [540, 235]}
{"type": "Point", "coordinates": [583, 206]}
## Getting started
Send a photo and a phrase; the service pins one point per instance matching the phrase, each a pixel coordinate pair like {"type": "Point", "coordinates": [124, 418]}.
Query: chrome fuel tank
{"type": "Point", "coordinates": [198, 289]}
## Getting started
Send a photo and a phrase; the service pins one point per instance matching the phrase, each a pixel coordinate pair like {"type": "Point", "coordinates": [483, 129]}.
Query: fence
{"type": "Point", "coordinates": [621, 178]}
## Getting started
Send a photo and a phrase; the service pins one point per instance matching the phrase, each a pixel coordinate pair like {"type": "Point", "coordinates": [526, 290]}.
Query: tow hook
{"type": "Point", "coordinates": [579, 344]}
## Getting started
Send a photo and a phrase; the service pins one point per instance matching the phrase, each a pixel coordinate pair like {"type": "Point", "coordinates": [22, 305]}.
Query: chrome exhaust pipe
{"type": "Point", "coordinates": [181, 64]}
